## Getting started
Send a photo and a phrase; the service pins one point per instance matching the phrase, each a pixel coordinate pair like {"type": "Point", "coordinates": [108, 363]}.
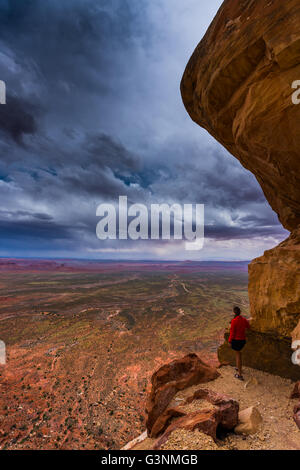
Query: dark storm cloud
{"type": "Point", "coordinates": [31, 215]}
{"type": "Point", "coordinates": [224, 232]}
{"type": "Point", "coordinates": [16, 119]}
{"type": "Point", "coordinates": [34, 229]}
{"type": "Point", "coordinates": [211, 177]}
{"type": "Point", "coordinates": [94, 111]}
{"type": "Point", "coordinates": [61, 35]}
{"type": "Point", "coordinates": [97, 166]}
{"type": "Point", "coordinates": [104, 150]}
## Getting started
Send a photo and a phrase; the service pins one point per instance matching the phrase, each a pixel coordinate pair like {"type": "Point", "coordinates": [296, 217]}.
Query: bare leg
{"type": "Point", "coordinates": [239, 366]}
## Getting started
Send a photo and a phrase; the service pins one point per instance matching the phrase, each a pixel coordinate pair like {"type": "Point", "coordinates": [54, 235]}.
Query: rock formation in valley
{"type": "Point", "coordinates": [238, 86]}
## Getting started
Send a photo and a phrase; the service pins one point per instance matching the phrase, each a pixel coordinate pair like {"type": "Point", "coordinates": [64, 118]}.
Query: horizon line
{"type": "Point", "coordinates": [46, 258]}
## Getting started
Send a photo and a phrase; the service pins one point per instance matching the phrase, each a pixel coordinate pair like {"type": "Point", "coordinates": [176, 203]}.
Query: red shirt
{"type": "Point", "coordinates": [238, 328]}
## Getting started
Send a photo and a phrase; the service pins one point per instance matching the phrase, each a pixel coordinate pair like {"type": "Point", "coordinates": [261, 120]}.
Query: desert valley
{"type": "Point", "coordinates": [84, 338]}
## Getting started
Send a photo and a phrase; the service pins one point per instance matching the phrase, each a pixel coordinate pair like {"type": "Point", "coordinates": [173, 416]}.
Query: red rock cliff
{"type": "Point", "coordinates": [238, 86]}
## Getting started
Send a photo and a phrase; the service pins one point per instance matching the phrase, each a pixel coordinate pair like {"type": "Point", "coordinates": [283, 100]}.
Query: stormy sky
{"type": "Point", "coordinates": [93, 113]}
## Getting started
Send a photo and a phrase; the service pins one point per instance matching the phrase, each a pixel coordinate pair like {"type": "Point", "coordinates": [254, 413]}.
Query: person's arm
{"type": "Point", "coordinates": [248, 326]}
{"type": "Point", "coordinates": [232, 331]}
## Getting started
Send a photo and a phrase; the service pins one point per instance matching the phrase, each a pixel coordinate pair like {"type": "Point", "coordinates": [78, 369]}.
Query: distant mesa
{"type": "Point", "coordinates": [238, 86]}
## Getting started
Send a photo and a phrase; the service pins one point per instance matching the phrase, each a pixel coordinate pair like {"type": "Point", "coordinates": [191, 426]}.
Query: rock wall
{"type": "Point", "coordinates": [238, 86]}
{"type": "Point", "coordinates": [274, 289]}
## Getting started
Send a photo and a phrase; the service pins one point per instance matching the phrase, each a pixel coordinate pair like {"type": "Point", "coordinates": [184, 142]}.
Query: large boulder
{"type": "Point", "coordinates": [214, 412]}
{"type": "Point", "coordinates": [238, 86]}
{"type": "Point", "coordinates": [171, 378]}
{"type": "Point", "coordinates": [228, 408]}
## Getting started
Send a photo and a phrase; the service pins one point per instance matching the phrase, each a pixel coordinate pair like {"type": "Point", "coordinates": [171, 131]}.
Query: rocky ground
{"type": "Point", "coordinates": [269, 394]}
{"type": "Point", "coordinates": [190, 440]}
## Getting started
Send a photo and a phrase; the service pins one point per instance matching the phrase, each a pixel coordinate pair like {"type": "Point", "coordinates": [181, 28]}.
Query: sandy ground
{"type": "Point", "coordinates": [269, 393]}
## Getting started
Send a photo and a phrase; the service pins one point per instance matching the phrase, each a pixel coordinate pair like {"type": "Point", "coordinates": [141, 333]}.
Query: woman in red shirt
{"type": "Point", "coordinates": [237, 338]}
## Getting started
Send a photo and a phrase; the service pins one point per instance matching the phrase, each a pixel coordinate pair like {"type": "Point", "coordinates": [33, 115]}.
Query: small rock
{"type": "Point", "coordinates": [249, 421]}
{"type": "Point", "coordinates": [252, 381]}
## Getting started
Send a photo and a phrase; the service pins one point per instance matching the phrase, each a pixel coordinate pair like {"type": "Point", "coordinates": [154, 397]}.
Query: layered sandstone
{"type": "Point", "coordinates": [216, 412]}
{"type": "Point", "coordinates": [277, 301]}
{"type": "Point", "coordinates": [177, 375]}
{"type": "Point", "coordinates": [238, 86]}
{"type": "Point", "coordinates": [203, 410]}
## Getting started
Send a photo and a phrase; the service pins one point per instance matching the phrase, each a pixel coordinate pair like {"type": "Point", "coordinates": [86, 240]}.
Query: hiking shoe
{"type": "Point", "coordinates": [239, 377]}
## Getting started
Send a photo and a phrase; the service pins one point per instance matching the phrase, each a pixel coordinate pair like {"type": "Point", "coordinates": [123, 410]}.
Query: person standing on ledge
{"type": "Point", "coordinates": [237, 339]}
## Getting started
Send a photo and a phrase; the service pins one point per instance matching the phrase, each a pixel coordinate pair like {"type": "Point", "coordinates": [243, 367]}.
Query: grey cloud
{"type": "Point", "coordinates": [225, 232]}
{"type": "Point", "coordinates": [105, 151]}
{"type": "Point", "coordinates": [95, 112]}
{"type": "Point", "coordinates": [34, 230]}
{"type": "Point", "coordinates": [16, 119]}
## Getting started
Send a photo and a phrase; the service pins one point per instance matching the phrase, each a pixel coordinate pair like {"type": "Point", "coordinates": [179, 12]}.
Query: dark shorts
{"type": "Point", "coordinates": [237, 345]}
